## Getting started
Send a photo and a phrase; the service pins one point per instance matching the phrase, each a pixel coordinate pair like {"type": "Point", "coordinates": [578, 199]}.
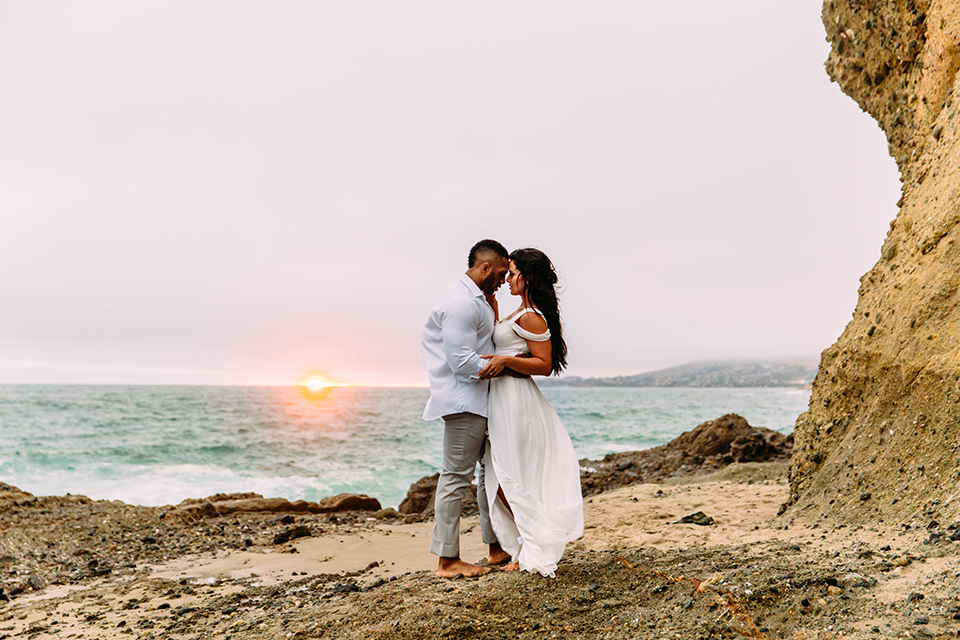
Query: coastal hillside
{"type": "Point", "coordinates": [881, 436]}
{"type": "Point", "coordinates": [709, 373]}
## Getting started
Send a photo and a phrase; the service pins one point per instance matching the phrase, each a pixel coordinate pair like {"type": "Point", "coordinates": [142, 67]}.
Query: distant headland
{"type": "Point", "coordinates": [707, 373]}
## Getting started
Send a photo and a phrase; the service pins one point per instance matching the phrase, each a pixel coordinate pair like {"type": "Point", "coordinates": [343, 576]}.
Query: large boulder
{"type": "Point", "coordinates": [881, 436]}
{"type": "Point", "coordinates": [709, 446]}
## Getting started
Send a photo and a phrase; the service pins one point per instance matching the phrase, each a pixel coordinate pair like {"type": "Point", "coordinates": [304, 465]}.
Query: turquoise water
{"type": "Point", "coordinates": [160, 445]}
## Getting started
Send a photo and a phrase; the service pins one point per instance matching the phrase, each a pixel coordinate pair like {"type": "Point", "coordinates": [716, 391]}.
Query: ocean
{"type": "Point", "coordinates": [156, 445]}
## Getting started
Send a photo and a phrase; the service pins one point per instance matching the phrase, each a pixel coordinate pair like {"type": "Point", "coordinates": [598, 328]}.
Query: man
{"type": "Point", "coordinates": [458, 331]}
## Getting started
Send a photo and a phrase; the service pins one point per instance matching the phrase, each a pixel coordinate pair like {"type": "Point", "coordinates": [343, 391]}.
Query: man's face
{"type": "Point", "coordinates": [496, 276]}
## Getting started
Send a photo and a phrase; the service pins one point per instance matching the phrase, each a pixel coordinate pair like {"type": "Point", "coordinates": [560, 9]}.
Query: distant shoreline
{"type": "Point", "coordinates": [757, 374]}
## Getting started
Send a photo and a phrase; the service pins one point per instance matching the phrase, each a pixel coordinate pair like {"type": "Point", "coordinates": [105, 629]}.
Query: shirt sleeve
{"type": "Point", "coordinates": [459, 329]}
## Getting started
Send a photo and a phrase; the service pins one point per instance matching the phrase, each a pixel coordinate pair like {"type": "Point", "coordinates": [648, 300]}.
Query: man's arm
{"type": "Point", "coordinates": [458, 329]}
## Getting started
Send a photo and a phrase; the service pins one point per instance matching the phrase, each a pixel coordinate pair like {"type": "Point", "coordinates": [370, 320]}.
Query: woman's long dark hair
{"type": "Point", "coordinates": [539, 287]}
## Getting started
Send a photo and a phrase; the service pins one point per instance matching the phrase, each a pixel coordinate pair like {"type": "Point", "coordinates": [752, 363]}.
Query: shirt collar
{"type": "Point", "coordinates": [472, 286]}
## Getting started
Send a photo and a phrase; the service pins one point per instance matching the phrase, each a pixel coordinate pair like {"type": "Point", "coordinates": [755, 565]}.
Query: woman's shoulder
{"type": "Point", "coordinates": [532, 321]}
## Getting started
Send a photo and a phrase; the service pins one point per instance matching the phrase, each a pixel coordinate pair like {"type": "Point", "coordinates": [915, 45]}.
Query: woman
{"type": "Point", "coordinates": [532, 472]}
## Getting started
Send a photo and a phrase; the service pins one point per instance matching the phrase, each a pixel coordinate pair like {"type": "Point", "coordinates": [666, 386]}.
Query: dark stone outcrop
{"type": "Point", "coordinates": [421, 495]}
{"type": "Point", "coordinates": [710, 446]}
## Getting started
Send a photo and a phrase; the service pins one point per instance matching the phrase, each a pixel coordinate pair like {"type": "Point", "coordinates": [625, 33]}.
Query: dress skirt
{"type": "Point", "coordinates": [531, 458]}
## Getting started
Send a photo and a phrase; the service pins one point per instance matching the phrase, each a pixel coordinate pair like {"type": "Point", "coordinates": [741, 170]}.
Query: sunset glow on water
{"type": "Point", "coordinates": [160, 445]}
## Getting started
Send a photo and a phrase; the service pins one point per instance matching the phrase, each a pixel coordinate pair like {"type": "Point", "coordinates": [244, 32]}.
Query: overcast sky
{"type": "Point", "coordinates": [243, 192]}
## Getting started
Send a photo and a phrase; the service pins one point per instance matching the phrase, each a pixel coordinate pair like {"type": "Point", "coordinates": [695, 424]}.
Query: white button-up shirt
{"type": "Point", "coordinates": [458, 331]}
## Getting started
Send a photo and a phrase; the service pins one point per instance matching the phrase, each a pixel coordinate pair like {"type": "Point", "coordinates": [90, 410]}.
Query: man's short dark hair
{"type": "Point", "coordinates": [486, 247]}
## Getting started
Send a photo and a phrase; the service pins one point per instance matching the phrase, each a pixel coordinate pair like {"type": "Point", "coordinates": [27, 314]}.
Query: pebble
{"type": "Point", "coordinates": [344, 587]}
{"type": "Point", "coordinates": [857, 580]}
{"type": "Point", "coordinates": [697, 517]}
{"type": "Point", "coordinates": [300, 531]}
{"type": "Point", "coordinates": [916, 596]}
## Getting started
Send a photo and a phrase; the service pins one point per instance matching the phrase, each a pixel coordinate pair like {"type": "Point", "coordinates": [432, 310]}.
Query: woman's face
{"type": "Point", "coordinates": [515, 280]}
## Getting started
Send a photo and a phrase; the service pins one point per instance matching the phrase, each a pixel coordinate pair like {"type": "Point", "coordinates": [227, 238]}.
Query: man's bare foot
{"type": "Point", "coordinates": [452, 567]}
{"type": "Point", "coordinates": [497, 555]}
{"type": "Point", "coordinates": [512, 566]}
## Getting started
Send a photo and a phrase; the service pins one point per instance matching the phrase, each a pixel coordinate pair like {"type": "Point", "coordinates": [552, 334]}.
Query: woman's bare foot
{"type": "Point", "coordinates": [512, 566]}
{"type": "Point", "coordinates": [452, 567]}
{"type": "Point", "coordinates": [497, 555]}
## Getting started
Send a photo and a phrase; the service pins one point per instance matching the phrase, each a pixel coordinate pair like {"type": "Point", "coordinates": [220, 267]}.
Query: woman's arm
{"type": "Point", "coordinates": [538, 363]}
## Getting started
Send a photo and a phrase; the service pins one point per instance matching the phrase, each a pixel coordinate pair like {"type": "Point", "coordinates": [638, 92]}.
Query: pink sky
{"type": "Point", "coordinates": [243, 192]}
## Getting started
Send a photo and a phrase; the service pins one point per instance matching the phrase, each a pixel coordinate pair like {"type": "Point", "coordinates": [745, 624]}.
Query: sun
{"type": "Point", "coordinates": [317, 383]}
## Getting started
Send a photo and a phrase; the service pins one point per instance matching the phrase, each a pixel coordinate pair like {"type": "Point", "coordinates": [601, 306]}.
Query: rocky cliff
{"type": "Point", "coordinates": [880, 438]}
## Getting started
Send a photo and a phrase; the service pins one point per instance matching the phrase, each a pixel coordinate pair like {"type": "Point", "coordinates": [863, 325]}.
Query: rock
{"type": "Point", "coordinates": [916, 596]}
{"type": "Point", "coordinates": [898, 71]}
{"type": "Point", "coordinates": [710, 445]}
{"type": "Point", "coordinates": [852, 580]}
{"type": "Point", "coordinates": [422, 493]}
{"type": "Point", "coordinates": [220, 497]}
{"type": "Point", "coordinates": [901, 561]}
{"type": "Point", "coordinates": [344, 587]}
{"type": "Point", "coordinates": [834, 591]}
{"type": "Point", "coordinates": [10, 492]}
{"type": "Point", "coordinates": [191, 509]}
{"type": "Point", "coordinates": [697, 517]}
{"type": "Point", "coordinates": [300, 531]}
{"type": "Point", "coordinates": [389, 512]}
{"type": "Point", "coordinates": [865, 495]}
{"type": "Point", "coordinates": [349, 502]}
{"type": "Point", "coordinates": [730, 436]}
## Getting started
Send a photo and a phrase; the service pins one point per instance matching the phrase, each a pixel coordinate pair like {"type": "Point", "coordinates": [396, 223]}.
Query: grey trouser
{"type": "Point", "coordinates": [464, 437]}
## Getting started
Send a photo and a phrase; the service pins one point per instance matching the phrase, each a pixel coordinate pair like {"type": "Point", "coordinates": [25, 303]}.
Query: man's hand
{"type": "Point", "coordinates": [492, 301]}
{"type": "Point", "coordinates": [498, 367]}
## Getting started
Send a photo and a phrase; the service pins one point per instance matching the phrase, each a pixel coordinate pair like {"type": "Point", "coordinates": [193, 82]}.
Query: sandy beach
{"type": "Point", "coordinates": [635, 573]}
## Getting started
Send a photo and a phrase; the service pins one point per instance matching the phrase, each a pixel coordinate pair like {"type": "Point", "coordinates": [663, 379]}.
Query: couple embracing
{"type": "Point", "coordinates": [494, 414]}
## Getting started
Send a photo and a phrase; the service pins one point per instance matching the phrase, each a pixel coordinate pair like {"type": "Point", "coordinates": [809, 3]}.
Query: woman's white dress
{"type": "Point", "coordinates": [531, 458]}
